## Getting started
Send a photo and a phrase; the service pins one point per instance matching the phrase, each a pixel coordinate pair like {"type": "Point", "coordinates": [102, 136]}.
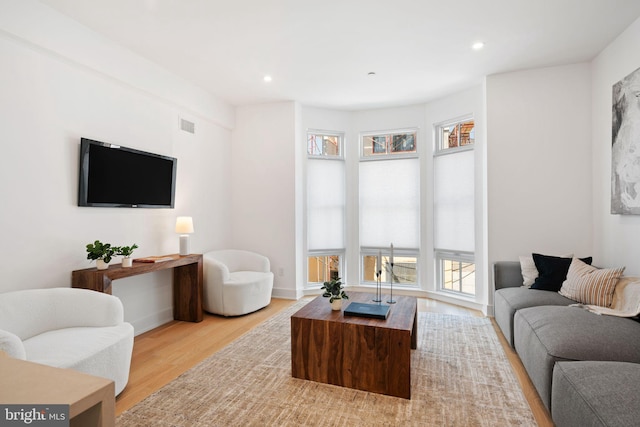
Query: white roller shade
{"type": "Point", "coordinates": [454, 201]}
{"type": "Point", "coordinates": [325, 204]}
{"type": "Point", "coordinates": [390, 203]}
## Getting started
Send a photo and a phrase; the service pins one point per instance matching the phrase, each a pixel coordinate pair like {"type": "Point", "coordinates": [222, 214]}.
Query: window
{"type": "Point", "coordinates": [457, 134]}
{"type": "Point", "coordinates": [323, 268]}
{"type": "Point", "coordinates": [404, 268]}
{"type": "Point", "coordinates": [324, 145]}
{"type": "Point", "coordinates": [454, 207]}
{"type": "Point", "coordinates": [456, 272]}
{"type": "Point", "coordinates": [326, 206]}
{"type": "Point", "coordinates": [389, 190]}
{"type": "Point", "coordinates": [389, 143]}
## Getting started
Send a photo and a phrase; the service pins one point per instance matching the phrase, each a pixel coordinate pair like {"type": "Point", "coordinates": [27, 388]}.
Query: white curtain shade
{"type": "Point", "coordinates": [454, 201]}
{"type": "Point", "coordinates": [390, 203]}
{"type": "Point", "coordinates": [325, 204]}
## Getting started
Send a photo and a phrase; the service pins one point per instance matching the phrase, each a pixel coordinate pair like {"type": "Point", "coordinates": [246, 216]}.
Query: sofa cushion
{"type": "Point", "coordinates": [552, 271]}
{"type": "Point", "coordinates": [509, 300]}
{"type": "Point", "coordinates": [590, 285]}
{"type": "Point", "coordinates": [548, 334]}
{"type": "Point", "coordinates": [595, 394]}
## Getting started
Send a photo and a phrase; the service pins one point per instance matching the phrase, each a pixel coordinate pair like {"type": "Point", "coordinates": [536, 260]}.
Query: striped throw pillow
{"type": "Point", "coordinates": [590, 285]}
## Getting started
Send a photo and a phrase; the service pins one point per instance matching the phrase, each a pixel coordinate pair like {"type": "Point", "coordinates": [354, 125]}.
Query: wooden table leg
{"type": "Point", "coordinates": [187, 292]}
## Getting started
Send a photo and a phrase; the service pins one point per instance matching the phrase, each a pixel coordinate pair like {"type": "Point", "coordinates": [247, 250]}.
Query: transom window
{"type": "Point", "coordinates": [456, 134]}
{"type": "Point", "coordinates": [389, 143]}
{"type": "Point", "coordinates": [324, 145]}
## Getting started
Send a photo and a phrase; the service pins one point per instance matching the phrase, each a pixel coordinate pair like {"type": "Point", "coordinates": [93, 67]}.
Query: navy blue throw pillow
{"type": "Point", "coordinates": [552, 271]}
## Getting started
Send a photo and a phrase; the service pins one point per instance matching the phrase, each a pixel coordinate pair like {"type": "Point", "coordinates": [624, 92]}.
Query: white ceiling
{"type": "Point", "coordinates": [320, 51]}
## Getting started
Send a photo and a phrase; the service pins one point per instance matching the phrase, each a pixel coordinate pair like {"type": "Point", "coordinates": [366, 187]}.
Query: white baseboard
{"type": "Point", "coordinates": [152, 321]}
{"type": "Point", "coordinates": [287, 293]}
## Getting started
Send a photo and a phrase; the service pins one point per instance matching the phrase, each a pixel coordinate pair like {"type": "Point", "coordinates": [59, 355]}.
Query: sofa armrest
{"type": "Point", "coordinates": [12, 345]}
{"type": "Point", "coordinates": [30, 312]}
{"type": "Point", "coordinates": [507, 274]}
{"type": "Point", "coordinates": [215, 271]}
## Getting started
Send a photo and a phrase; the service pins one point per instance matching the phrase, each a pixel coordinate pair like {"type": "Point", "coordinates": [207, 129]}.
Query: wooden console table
{"type": "Point", "coordinates": [187, 282]}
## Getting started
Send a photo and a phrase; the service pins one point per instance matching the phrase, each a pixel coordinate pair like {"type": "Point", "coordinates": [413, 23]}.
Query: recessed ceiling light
{"type": "Point", "coordinates": [371, 74]}
{"type": "Point", "coordinates": [477, 45]}
{"type": "Point", "coordinates": [267, 78]}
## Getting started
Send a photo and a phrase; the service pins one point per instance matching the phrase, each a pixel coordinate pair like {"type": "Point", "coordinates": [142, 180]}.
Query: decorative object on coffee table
{"type": "Point", "coordinates": [391, 300]}
{"type": "Point", "coordinates": [378, 297]}
{"type": "Point", "coordinates": [101, 253]}
{"type": "Point", "coordinates": [334, 291]}
{"type": "Point", "coordinates": [126, 252]}
{"type": "Point", "coordinates": [373, 311]}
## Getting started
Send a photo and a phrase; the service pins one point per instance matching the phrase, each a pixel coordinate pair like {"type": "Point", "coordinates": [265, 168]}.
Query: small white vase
{"type": "Point", "coordinates": [101, 265]}
{"type": "Point", "coordinates": [336, 304]}
{"type": "Point", "coordinates": [127, 262]}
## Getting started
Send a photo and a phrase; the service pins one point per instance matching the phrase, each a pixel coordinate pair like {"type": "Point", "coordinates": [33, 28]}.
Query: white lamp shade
{"type": "Point", "coordinates": [184, 225]}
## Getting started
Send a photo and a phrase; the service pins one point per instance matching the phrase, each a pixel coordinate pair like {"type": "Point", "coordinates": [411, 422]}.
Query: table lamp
{"type": "Point", "coordinates": [184, 227]}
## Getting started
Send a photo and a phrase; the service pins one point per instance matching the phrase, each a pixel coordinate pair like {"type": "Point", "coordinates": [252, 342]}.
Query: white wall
{"type": "Point", "coordinates": [264, 185]}
{"type": "Point", "coordinates": [55, 90]}
{"type": "Point", "coordinates": [539, 162]}
{"type": "Point", "coordinates": [616, 237]}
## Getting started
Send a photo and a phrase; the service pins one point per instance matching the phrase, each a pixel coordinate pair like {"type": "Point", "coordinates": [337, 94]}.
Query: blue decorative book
{"type": "Point", "coordinates": [375, 311]}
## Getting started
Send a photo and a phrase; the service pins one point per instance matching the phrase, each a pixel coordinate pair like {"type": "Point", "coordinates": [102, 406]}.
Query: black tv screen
{"type": "Point", "coordinates": [116, 176]}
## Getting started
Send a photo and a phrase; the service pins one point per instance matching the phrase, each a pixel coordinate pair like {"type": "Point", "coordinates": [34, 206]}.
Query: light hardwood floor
{"type": "Point", "coordinates": [162, 354]}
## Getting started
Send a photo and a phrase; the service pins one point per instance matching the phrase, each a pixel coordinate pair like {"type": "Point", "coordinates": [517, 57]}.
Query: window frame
{"type": "Point", "coordinates": [318, 132]}
{"type": "Point", "coordinates": [438, 150]}
{"type": "Point", "coordinates": [386, 252]}
{"type": "Point", "coordinates": [387, 155]}
{"type": "Point", "coordinates": [322, 253]}
{"type": "Point", "coordinates": [441, 255]}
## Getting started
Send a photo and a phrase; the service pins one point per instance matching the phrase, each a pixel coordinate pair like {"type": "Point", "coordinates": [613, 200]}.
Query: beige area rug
{"type": "Point", "coordinates": [459, 377]}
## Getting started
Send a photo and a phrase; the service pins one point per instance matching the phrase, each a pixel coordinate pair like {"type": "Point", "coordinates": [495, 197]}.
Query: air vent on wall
{"type": "Point", "coordinates": [187, 126]}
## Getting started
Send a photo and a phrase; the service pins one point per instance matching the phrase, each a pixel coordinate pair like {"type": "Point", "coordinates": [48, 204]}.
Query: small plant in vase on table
{"type": "Point", "coordinates": [126, 252]}
{"type": "Point", "coordinates": [334, 291]}
{"type": "Point", "coordinates": [101, 253]}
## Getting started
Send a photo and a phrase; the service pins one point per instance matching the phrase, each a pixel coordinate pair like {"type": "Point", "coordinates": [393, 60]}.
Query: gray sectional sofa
{"type": "Point", "coordinates": [585, 366]}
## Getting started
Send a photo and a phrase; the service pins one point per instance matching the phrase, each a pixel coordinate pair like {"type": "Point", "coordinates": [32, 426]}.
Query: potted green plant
{"type": "Point", "coordinates": [334, 291]}
{"type": "Point", "coordinates": [125, 252]}
{"type": "Point", "coordinates": [101, 253]}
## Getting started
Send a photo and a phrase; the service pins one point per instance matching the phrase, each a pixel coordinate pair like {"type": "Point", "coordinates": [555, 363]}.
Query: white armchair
{"type": "Point", "coordinates": [70, 328]}
{"type": "Point", "coordinates": [236, 282]}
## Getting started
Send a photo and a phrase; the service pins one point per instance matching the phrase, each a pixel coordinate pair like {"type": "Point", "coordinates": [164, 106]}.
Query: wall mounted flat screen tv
{"type": "Point", "coordinates": [116, 176]}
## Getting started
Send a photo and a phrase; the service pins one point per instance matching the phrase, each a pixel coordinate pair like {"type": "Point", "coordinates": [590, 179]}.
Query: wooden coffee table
{"type": "Point", "coordinates": [366, 354]}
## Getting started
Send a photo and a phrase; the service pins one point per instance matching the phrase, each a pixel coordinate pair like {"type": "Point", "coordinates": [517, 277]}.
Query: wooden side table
{"type": "Point", "coordinates": [187, 282]}
{"type": "Point", "coordinates": [91, 399]}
